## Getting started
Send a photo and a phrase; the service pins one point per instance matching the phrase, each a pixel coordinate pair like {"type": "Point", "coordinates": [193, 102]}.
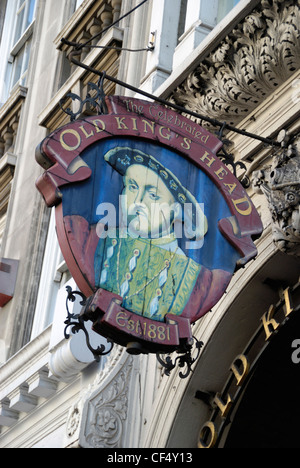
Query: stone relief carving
{"type": "Point", "coordinates": [258, 55]}
{"type": "Point", "coordinates": [98, 418]}
{"type": "Point", "coordinates": [74, 420]}
{"type": "Point", "coordinates": [280, 183]}
{"type": "Point", "coordinates": [107, 413]}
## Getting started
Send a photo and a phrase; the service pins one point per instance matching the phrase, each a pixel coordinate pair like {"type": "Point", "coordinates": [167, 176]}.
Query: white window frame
{"type": "Point", "coordinates": [201, 18]}
{"type": "Point", "coordinates": [165, 14]}
{"type": "Point", "coordinates": [12, 47]}
{"type": "Point", "coordinates": [23, 7]}
{"type": "Point", "coordinates": [50, 281]}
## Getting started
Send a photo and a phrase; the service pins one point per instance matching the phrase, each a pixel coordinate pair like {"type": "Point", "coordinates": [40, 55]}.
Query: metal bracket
{"type": "Point", "coordinates": [185, 359]}
{"type": "Point", "coordinates": [97, 101]}
{"type": "Point", "coordinates": [77, 322]}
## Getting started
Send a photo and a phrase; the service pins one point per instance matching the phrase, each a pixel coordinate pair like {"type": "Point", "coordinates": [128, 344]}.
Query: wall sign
{"type": "Point", "coordinates": [151, 223]}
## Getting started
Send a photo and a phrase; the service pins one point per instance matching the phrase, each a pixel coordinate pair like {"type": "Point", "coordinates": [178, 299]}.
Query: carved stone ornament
{"type": "Point", "coordinates": [280, 183]}
{"type": "Point", "coordinates": [259, 54]}
{"type": "Point", "coordinates": [73, 422]}
{"type": "Point", "coordinates": [107, 413]}
{"type": "Point", "coordinates": [97, 420]}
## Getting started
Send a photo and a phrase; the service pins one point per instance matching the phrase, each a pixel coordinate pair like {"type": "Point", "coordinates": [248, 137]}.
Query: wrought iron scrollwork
{"type": "Point", "coordinates": [96, 101]}
{"type": "Point", "coordinates": [77, 322]}
{"type": "Point", "coordinates": [184, 360]}
{"type": "Point", "coordinates": [229, 161]}
{"type": "Point", "coordinates": [228, 158]}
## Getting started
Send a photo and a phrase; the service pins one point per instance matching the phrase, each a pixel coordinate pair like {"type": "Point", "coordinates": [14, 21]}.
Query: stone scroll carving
{"type": "Point", "coordinates": [280, 183]}
{"type": "Point", "coordinates": [259, 54]}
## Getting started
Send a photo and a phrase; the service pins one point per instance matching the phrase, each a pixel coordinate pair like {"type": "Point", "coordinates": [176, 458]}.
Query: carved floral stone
{"type": "Point", "coordinates": [280, 183]}
{"type": "Point", "coordinates": [107, 413]}
{"type": "Point", "coordinates": [98, 419]}
{"type": "Point", "coordinates": [259, 54]}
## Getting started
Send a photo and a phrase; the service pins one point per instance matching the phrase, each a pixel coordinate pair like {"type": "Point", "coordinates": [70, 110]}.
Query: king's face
{"type": "Point", "coordinates": [149, 203]}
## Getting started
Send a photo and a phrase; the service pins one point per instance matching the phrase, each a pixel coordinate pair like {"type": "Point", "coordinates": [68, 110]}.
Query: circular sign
{"type": "Point", "coordinates": [151, 224]}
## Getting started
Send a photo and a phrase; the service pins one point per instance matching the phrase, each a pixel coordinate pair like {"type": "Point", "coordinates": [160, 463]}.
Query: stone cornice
{"type": "Point", "coordinates": [22, 365]}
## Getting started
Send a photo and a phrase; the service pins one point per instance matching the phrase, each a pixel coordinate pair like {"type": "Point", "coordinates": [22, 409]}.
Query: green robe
{"type": "Point", "coordinates": [152, 280]}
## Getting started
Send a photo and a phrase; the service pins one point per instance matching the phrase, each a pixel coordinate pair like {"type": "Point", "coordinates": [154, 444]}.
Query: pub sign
{"type": "Point", "coordinates": [151, 223]}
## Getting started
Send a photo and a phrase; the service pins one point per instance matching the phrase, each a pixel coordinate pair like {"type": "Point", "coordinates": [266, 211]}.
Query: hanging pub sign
{"type": "Point", "coordinates": [151, 223]}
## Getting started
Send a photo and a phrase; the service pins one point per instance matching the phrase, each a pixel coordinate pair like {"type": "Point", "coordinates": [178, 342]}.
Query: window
{"type": "Point", "coordinates": [25, 12]}
{"type": "Point", "coordinates": [2, 16]}
{"type": "Point", "coordinates": [225, 6]}
{"type": "Point", "coordinates": [182, 18]}
{"type": "Point", "coordinates": [197, 19]}
{"type": "Point", "coordinates": [20, 65]}
{"type": "Point", "coordinates": [53, 278]}
{"type": "Point", "coordinates": [6, 176]}
{"type": "Point", "coordinates": [16, 45]}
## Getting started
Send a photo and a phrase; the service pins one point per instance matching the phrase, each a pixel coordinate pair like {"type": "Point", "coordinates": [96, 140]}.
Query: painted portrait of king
{"type": "Point", "coordinates": [153, 252]}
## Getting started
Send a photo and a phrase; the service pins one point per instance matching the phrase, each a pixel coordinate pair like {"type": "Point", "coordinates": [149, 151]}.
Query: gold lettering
{"type": "Point", "coordinates": [240, 374]}
{"type": "Point", "coordinates": [121, 124]}
{"type": "Point", "coordinates": [167, 136]}
{"type": "Point", "coordinates": [132, 107]}
{"type": "Point", "coordinates": [138, 328]}
{"type": "Point", "coordinates": [121, 316]}
{"type": "Point", "coordinates": [127, 102]}
{"type": "Point", "coordinates": [245, 212]}
{"type": "Point", "coordinates": [99, 129]}
{"type": "Point", "coordinates": [152, 332]}
{"type": "Point", "coordinates": [269, 323]}
{"type": "Point", "coordinates": [150, 111]}
{"type": "Point", "coordinates": [224, 407]}
{"type": "Point", "coordinates": [208, 435]}
{"type": "Point", "coordinates": [231, 187]}
{"type": "Point", "coordinates": [204, 139]}
{"type": "Point", "coordinates": [65, 145]}
{"type": "Point", "coordinates": [130, 325]}
{"type": "Point", "coordinates": [134, 123]}
{"type": "Point", "coordinates": [85, 132]}
{"type": "Point", "coordinates": [151, 125]}
{"type": "Point", "coordinates": [187, 142]}
{"type": "Point", "coordinates": [210, 160]}
{"type": "Point", "coordinates": [221, 173]}
{"type": "Point", "coordinates": [288, 302]}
